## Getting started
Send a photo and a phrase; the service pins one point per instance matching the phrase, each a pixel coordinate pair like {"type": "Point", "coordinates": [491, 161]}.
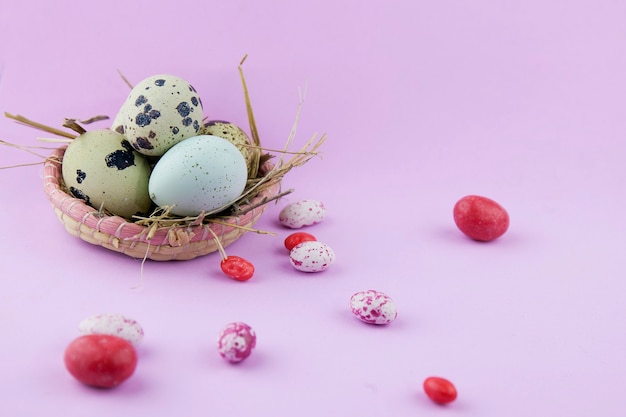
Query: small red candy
{"type": "Point", "coordinates": [480, 218]}
{"type": "Point", "coordinates": [99, 360]}
{"type": "Point", "coordinates": [439, 390]}
{"type": "Point", "coordinates": [295, 239]}
{"type": "Point", "coordinates": [237, 268]}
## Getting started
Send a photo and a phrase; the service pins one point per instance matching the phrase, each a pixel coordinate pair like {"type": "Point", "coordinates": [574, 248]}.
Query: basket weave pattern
{"type": "Point", "coordinates": [118, 234]}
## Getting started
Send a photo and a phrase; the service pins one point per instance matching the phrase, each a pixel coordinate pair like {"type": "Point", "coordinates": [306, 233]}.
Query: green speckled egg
{"type": "Point", "coordinates": [101, 168]}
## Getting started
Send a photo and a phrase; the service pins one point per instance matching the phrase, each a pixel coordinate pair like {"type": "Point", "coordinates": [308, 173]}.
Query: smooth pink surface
{"type": "Point", "coordinates": [423, 102]}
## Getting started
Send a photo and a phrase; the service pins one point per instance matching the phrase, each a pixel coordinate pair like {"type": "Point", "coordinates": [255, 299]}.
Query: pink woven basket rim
{"type": "Point", "coordinates": [123, 229]}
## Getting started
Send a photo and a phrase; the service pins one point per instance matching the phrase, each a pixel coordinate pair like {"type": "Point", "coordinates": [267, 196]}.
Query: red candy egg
{"type": "Point", "coordinates": [295, 239]}
{"type": "Point", "coordinates": [480, 218]}
{"type": "Point", "coordinates": [237, 268]}
{"type": "Point", "coordinates": [439, 390]}
{"type": "Point", "coordinates": [99, 360]}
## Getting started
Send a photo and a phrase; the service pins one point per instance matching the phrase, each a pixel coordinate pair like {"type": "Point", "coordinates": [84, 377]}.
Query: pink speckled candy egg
{"type": "Point", "coordinates": [373, 307]}
{"type": "Point", "coordinates": [236, 341]}
{"type": "Point", "coordinates": [112, 325]}
{"type": "Point", "coordinates": [302, 213]}
{"type": "Point", "coordinates": [311, 256]}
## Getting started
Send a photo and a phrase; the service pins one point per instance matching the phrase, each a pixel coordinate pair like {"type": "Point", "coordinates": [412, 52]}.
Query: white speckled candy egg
{"type": "Point", "coordinates": [114, 325]}
{"type": "Point", "coordinates": [373, 307]}
{"type": "Point", "coordinates": [302, 213]}
{"type": "Point", "coordinates": [311, 256]}
{"type": "Point", "coordinates": [203, 173]}
{"type": "Point", "coordinates": [232, 133]}
{"type": "Point", "coordinates": [160, 111]}
{"type": "Point", "coordinates": [101, 168]}
{"type": "Point", "coordinates": [236, 341]}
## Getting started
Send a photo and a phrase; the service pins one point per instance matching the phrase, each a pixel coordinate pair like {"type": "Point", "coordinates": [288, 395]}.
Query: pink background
{"type": "Point", "coordinates": [423, 103]}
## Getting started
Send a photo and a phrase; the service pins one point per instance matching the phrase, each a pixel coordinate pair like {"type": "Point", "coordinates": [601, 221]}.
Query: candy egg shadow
{"type": "Point", "coordinates": [286, 230]}
{"type": "Point", "coordinates": [217, 275]}
{"type": "Point", "coordinates": [258, 359]}
{"type": "Point", "coordinates": [344, 315]}
{"type": "Point", "coordinates": [508, 240]}
{"type": "Point", "coordinates": [136, 384]}
{"type": "Point", "coordinates": [133, 386]}
{"type": "Point", "coordinates": [290, 269]}
{"type": "Point", "coordinates": [454, 235]}
{"type": "Point", "coordinates": [420, 398]}
{"type": "Point", "coordinates": [144, 352]}
{"type": "Point", "coordinates": [395, 324]}
{"type": "Point", "coordinates": [447, 234]}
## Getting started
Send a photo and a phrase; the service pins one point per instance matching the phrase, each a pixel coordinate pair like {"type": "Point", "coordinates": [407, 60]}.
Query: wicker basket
{"type": "Point", "coordinates": [118, 234]}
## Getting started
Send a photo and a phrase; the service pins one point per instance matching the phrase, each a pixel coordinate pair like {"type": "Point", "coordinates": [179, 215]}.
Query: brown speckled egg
{"type": "Point", "coordinates": [232, 133]}
{"type": "Point", "coordinates": [101, 168]}
{"type": "Point", "coordinates": [159, 112]}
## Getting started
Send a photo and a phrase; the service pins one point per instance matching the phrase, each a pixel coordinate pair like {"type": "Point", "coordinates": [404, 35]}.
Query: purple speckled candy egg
{"type": "Point", "coordinates": [302, 213]}
{"type": "Point", "coordinates": [373, 307]}
{"type": "Point", "coordinates": [112, 325]}
{"type": "Point", "coordinates": [236, 341]}
{"type": "Point", "coordinates": [311, 256]}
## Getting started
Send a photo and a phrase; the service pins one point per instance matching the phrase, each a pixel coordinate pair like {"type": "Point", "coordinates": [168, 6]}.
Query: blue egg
{"type": "Point", "coordinates": [200, 174]}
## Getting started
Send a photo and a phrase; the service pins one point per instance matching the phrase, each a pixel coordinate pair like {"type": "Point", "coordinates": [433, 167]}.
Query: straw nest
{"type": "Point", "coordinates": [162, 236]}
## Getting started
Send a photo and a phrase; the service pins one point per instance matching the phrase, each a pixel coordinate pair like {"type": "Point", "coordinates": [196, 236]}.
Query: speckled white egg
{"type": "Point", "coordinates": [236, 341]}
{"type": "Point", "coordinates": [160, 111]}
{"type": "Point", "coordinates": [302, 213]}
{"type": "Point", "coordinates": [232, 133]}
{"type": "Point", "coordinates": [199, 174]}
{"type": "Point", "coordinates": [101, 168]}
{"type": "Point", "coordinates": [373, 307]}
{"type": "Point", "coordinates": [311, 256]}
{"type": "Point", "coordinates": [114, 325]}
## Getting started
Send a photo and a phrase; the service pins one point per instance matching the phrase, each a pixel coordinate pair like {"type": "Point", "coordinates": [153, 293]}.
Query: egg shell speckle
{"type": "Point", "coordinates": [236, 341]}
{"type": "Point", "coordinates": [302, 213]}
{"type": "Point", "coordinates": [373, 307]}
{"type": "Point", "coordinates": [159, 112]}
{"type": "Point", "coordinates": [202, 173]}
{"type": "Point", "coordinates": [113, 325]}
{"type": "Point", "coordinates": [311, 256]}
